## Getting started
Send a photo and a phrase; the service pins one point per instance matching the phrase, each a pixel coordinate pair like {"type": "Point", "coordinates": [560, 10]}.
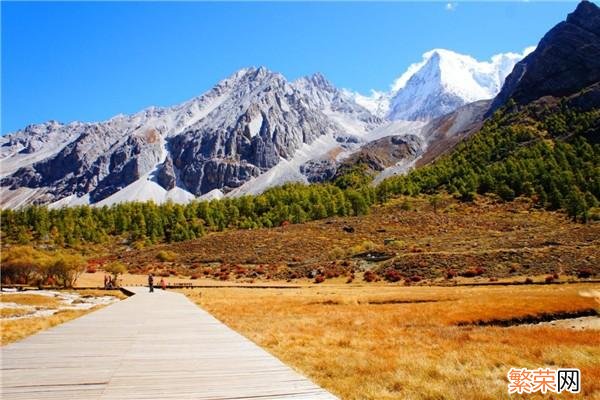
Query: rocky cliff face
{"type": "Point", "coordinates": [566, 60]}
{"type": "Point", "coordinates": [241, 128]}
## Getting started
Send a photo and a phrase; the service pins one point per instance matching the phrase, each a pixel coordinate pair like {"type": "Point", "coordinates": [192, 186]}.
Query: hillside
{"type": "Point", "coordinates": [504, 240]}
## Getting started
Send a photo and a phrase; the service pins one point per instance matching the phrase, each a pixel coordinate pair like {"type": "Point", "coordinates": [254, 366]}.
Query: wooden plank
{"type": "Point", "coordinates": [150, 346]}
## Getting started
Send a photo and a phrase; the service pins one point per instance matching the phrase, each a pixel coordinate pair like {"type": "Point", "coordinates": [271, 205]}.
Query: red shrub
{"type": "Point", "coordinates": [319, 279]}
{"type": "Point", "coordinates": [549, 279]}
{"type": "Point", "coordinates": [392, 275]}
{"type": "Point", "coordinates": [451, 274]}
{"type": "Point", "coordinates": [224, 276]}
{"type": "Point", "coordinates": [91, 269]}
{"type": "Point", "coordinates": [584, 273]}
{"type": "Point", "coordinates": [416, 278]}
{"type": "Point", "coordinates": [471, 272]}
{"type": "Point", "coordinates": [370, 276]}
{"type": "Point", "coordinates": [528, 280]}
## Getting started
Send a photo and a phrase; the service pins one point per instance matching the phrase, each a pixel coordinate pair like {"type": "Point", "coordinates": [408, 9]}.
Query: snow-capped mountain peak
{"type": "Point", "coordinates": [440, 83]}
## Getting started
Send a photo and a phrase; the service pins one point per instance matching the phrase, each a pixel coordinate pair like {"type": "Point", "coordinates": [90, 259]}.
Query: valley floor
{"type": "Point", "coordinates": [383, 342]}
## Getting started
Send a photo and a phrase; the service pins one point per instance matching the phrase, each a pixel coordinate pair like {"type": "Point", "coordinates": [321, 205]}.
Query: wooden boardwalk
{"type": "Point", "coordinates": [151, 346]}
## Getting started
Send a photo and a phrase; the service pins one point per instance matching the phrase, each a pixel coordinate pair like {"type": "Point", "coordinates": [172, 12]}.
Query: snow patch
{"type": "Point", "coordinates": [287, 171]}
{"type": "Point", "coordinates": [255, 125]}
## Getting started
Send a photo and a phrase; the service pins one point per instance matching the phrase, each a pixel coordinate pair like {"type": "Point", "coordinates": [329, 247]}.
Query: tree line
{"type": "Point", "coordinates": [170, 222]}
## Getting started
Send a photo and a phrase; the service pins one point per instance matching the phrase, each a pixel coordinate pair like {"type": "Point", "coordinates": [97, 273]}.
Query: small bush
{"type": "Point", "coordinates": [319, 279]}
{"type": "Point", "coordinates": [549, 279]}
{"type": "Point", "coordinates": [472, 272]}
{"type": "Point", "coordinates": [336, 253]}
{"type": "Point", "coordinates": [91, 269]}
{"type": "Point", "coordinates": [451, 274]}
{"type": "Point", "coordinates": [584, 273]}
{"type": "Point", "coordinates": [166, 255]}
{"type": "Point", "coordinates": [392, 275]}
{"type": "Point", "coordinates": [370, 276]}
{"type": "Point", "coordinates": [528, 280]}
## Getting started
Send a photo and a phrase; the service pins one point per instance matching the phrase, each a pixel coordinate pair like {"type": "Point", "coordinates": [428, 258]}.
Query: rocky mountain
{"type": "Point", "coordinates": [442, 82]}
{"type": "Point", "coordinates": [566, 60]}
{"type": "Point", "coordinates": [240, 129]}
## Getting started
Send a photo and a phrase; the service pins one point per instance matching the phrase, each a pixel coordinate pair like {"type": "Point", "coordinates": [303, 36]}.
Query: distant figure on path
{"type": "Point", "coordinates": [151, 282]}
{"type": "Point", "coordinates": [163, 284]}
{"type": "Point", "coordinates": [105, 281]}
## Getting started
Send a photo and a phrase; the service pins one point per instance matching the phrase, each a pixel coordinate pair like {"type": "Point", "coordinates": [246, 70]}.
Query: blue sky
{"type": "Point", "coordinates": [90, 61]}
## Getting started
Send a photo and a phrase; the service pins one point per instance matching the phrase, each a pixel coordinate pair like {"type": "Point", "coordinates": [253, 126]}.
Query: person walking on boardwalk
{"type": "Point", "coordinates": [151, 282]}
{"type": "Point", "coordinates": [163, 284]}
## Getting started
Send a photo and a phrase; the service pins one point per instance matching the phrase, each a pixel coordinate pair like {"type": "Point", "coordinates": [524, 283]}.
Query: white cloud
{"type": "Point", "coordinates": [451, 6]}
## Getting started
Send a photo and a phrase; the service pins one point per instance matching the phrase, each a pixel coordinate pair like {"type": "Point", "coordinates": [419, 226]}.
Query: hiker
{"type": "Point", "coordinates": [163, 284]}
{"type": "Point", "coordinates": [151, 282]}
{"type": "Point", "coordinates": [105, 281]}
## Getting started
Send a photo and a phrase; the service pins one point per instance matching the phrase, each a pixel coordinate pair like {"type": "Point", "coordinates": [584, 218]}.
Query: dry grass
{"type": "Point", "coordinates": [100, 293]}
{"type": "Point", "coordinates": [34, 300]}
{"type": "Point", "coordinates": [382, 342]}
{"type": "Point", "coordinates": [14, 312]}
{"type": "Point", "coordinates": [14, 330]}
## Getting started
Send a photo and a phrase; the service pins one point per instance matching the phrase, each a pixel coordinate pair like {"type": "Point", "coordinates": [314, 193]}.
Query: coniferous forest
{"type": "Point", "coordinates": [550, 155]}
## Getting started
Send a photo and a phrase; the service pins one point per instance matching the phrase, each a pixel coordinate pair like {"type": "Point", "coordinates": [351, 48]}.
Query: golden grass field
{"type": "Point", "coordinates": [14, 330]}
{"type": "Point", "coordinates": [395, 342]}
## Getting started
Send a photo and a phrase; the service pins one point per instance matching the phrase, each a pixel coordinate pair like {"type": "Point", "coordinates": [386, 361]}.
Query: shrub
{"type": "Point", "coordinates": [224, 276]}
{"type": "Point", "coordinates": [66, 268]}
{"type": "Point", "coordinates": [406, 205]}
{"type": "Point", "coordinates": [528, 280]}
{"type": "Point", "coordinates": [336, 253]}
{"type": "Point", "coordinates": [370, 276]}
{"type": "Point", "coordinates": [416, 278]}
{"type": "Point", "coordinates": [584, 273]}
{"type": "Point", "coordinates": [392, 275]}
{"type": "Point", "coordinates": [549, 279]}
{"type": "Point", "coordinates": [23, 264]}
{"type": "Point", "coordinates": [115, 269]}
{"type": "Point", "coordinates": [91, 269]}
{"type": "Point", "coordinates": [365, 246]}
{"type": "Point", "coordinates": [166, 255]}
{"type": "Point", "coordinates": [451, 274]}
{"type": "Point", "coordinates": [471, 272]}
{"type": "Point", "coordinates": [319, 279]}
